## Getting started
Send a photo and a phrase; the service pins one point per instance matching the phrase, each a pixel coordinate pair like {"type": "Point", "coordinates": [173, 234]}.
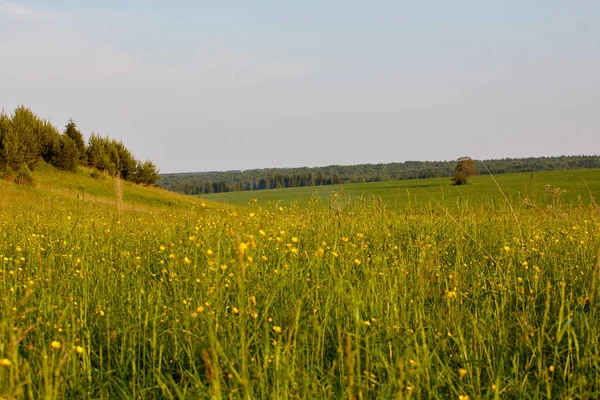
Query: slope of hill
{"type": "Point", "coordinates": [89, 186]}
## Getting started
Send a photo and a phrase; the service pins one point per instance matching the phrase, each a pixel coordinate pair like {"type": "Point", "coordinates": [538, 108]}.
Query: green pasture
{"type": "Point", "coordinates": [579, 185]}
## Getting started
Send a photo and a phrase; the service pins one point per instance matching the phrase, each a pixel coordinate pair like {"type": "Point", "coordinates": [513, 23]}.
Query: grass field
{"type": "Point", "coordinates": [114, 291]}
{"type": "Point", "coordinates": [406, 194]}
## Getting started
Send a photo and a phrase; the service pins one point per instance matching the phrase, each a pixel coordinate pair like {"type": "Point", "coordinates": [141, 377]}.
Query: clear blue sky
{"type": "Point", "coordinates": [219, 85]}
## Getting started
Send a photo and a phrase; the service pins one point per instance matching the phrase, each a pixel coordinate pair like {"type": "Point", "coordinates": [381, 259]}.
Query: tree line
{"type": "Point", "coordinates": [273, 178]}
{"type": "Point", "coordinates": [26, 140]}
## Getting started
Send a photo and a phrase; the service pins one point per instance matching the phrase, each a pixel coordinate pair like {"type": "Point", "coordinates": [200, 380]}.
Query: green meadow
{"type": "Point", "coordinates": [110, 290]}
{"type": "Point", "coordinates": [402, 195]}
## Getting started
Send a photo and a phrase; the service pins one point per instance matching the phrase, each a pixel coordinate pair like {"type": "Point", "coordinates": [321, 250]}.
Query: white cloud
{"type": "Point", "coordinates": [19, 11]}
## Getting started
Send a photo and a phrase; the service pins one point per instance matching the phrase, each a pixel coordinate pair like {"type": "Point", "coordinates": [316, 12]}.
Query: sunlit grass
{"type": "Point", "coordinates": [167, 297]}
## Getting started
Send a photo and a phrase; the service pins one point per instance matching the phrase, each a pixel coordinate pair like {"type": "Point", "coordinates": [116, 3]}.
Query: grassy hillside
{"type": "Point", "coordinates": [161, 297]}
{"type": "Point", "coordinates": [410, 193]}
{"type": "Point", "coordinates": [88, 187]}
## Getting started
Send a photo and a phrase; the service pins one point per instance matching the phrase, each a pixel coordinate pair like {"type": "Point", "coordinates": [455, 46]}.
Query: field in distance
{"type": "Point", "coordinates": [405, 194]}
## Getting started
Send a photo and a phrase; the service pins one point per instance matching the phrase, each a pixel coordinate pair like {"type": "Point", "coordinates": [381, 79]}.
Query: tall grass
{"type": "Point", "coordinates": [344, 300]}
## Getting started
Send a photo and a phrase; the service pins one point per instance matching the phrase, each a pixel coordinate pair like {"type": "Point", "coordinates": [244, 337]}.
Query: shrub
{"type": "Point", "coordinates": [7, 174]}
{"type": "Point", "coordinates": [97, 174]}
{"type": "Point", "coordinates": [24, 176]}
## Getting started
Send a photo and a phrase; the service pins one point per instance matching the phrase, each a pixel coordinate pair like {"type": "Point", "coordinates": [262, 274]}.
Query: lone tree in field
{"type": "Point", "coordinates": [465, 168]}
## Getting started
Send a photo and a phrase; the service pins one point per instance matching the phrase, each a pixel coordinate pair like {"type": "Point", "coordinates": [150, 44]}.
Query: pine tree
{"type": "Point", "coordinates": [25, 137]}
{"type": "Point", "coordinates": [12, 148]}
{"type": "Point", "coordinates": [73, 132]}
{"type": "Point", "coordinates": [98, 154]}
{"type": "Point", "coordinates": [67, 156]}
{"type": "Point", "coordinates": [5, 126]}
{"type": "Point", "coordinates": [146, 173]}
{"type": "Point", "coordinates": [128, 164]}
{"type": "Point", "coordinates": [49, 140]}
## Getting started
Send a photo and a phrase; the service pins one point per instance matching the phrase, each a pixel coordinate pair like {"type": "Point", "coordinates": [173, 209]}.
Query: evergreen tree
{"type": "Point", "coordinates": [5, 126]}
{"type": "Point", "coordinates": [67, 156]}
{"type": "Point", "coordinates": [115, 159]}
{"type": "Point", "coordinates": [26, 137]}
{"type": "Point", "coordinates": [98, 155]}
{"type": "Point", "coordinates": [146, 173]}
{"type": "Point", "coordinates": [12, 148]}
{"type": "Point", "coordinates": [49, 141]}
{"type": "Point", "coordinates": [128, 164]}
{"type": "Point", "coordinates": [73, 132]}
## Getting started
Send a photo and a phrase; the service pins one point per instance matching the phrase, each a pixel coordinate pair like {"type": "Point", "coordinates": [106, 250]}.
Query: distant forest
{"type": "Point", "coordinates": [273, 178]}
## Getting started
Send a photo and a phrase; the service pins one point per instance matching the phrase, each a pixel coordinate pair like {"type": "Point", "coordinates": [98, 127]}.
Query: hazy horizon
{"type": "Point", "coordinates": [213, 86]}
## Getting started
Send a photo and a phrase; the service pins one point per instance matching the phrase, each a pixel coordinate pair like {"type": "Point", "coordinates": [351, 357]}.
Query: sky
{"type": "Point", "coordinates": [227, 85]}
